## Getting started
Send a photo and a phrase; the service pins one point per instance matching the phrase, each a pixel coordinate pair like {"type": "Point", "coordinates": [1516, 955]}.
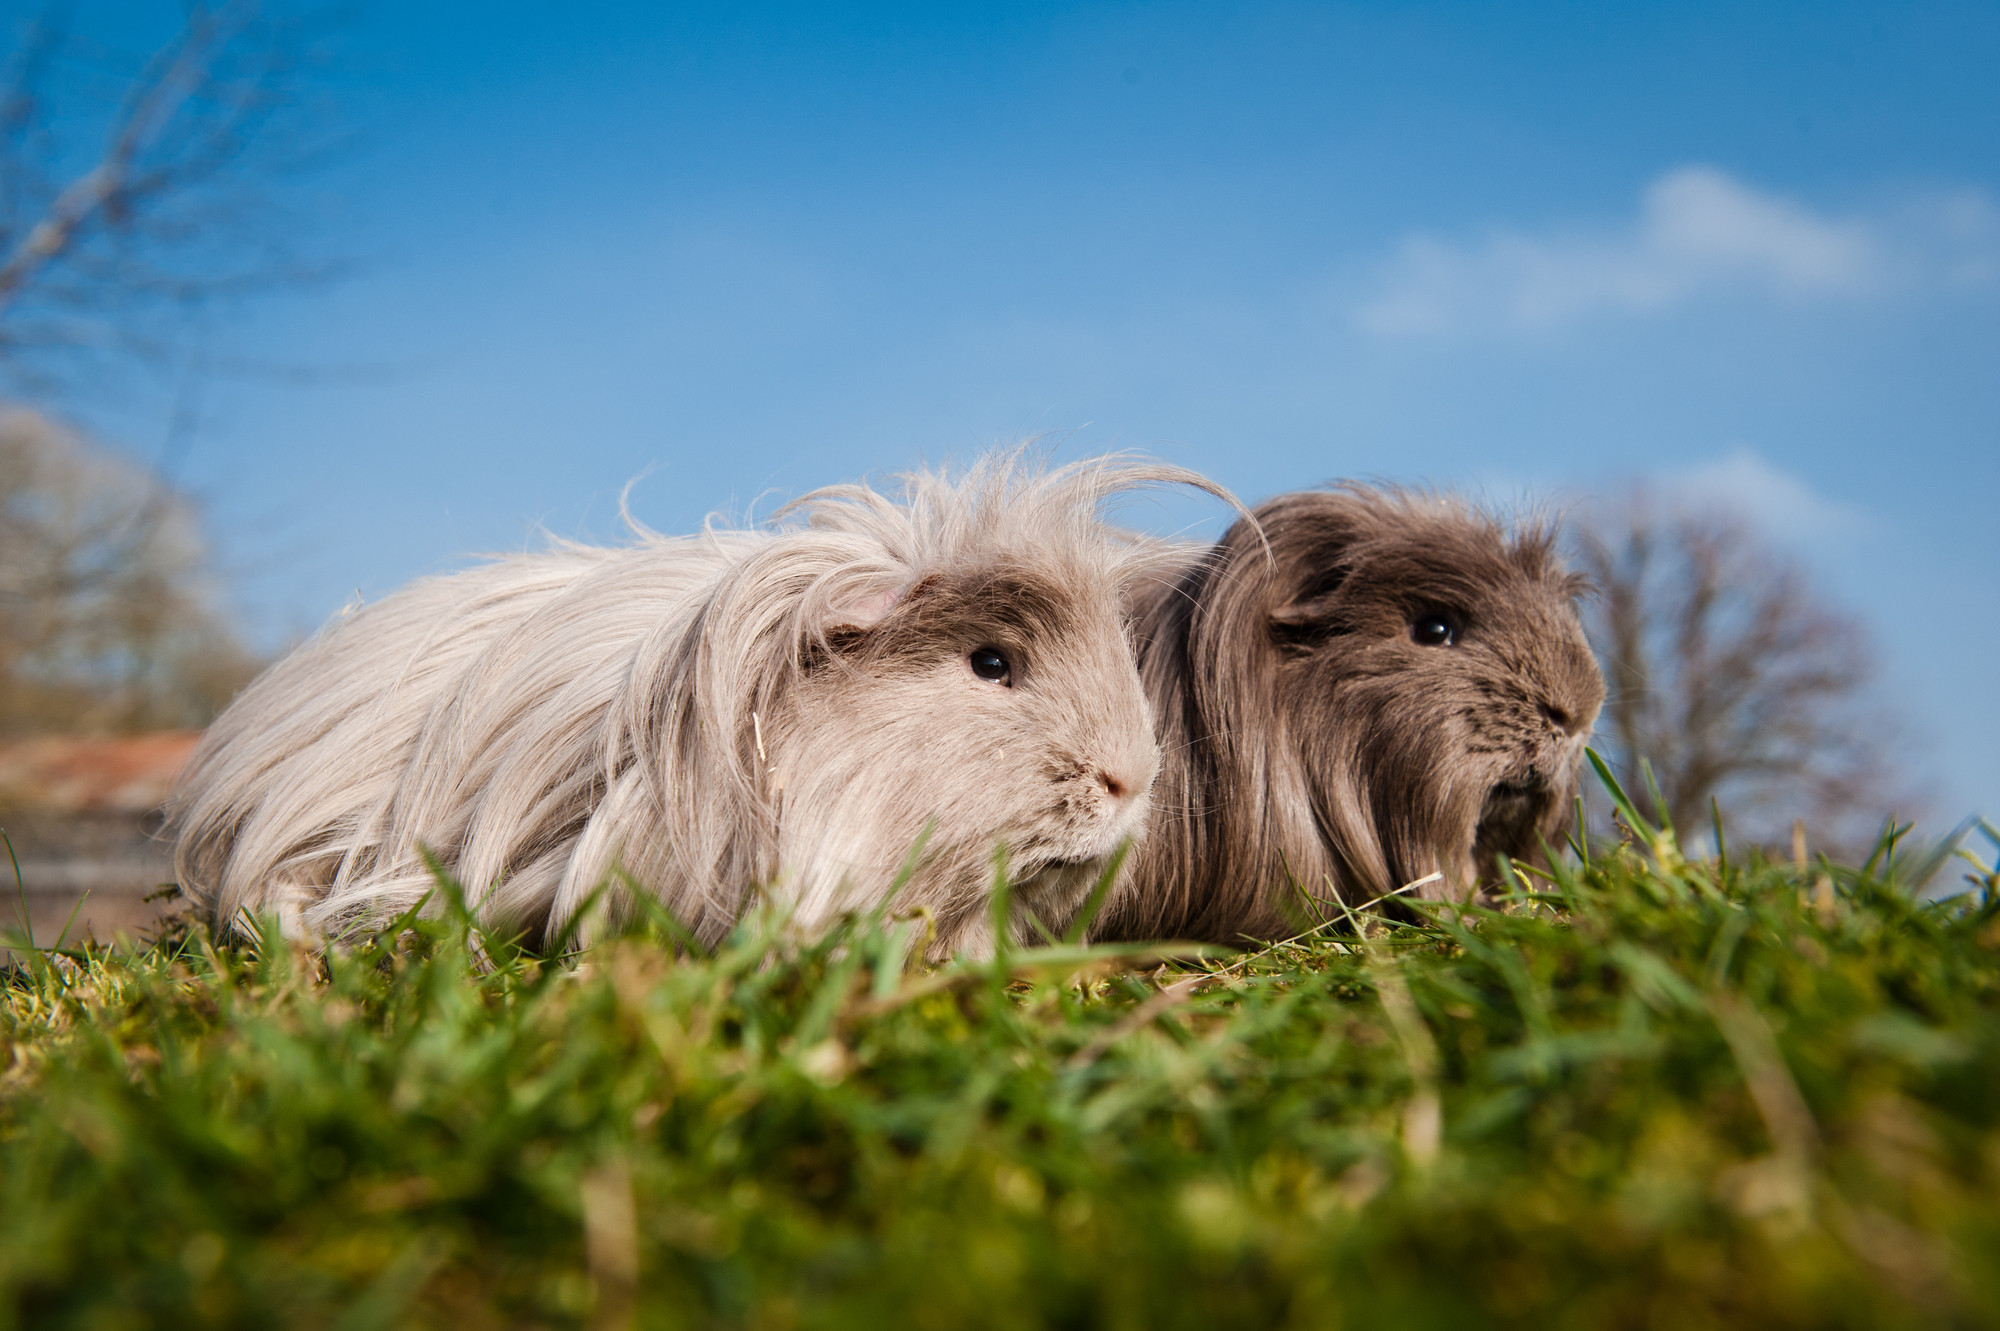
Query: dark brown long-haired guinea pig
{"type": "Point", "coordinates": [1398, 687]}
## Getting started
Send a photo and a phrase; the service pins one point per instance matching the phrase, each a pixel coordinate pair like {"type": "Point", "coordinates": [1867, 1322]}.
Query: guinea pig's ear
{"type": "Point", "coordinates": [1311, 604]}
{"type": "Point", "coordinates": [1314, 536]}
{"type": "Point", "coordinates": [864, 611]}
{"type": "Point", "coordinates": [865, 605]}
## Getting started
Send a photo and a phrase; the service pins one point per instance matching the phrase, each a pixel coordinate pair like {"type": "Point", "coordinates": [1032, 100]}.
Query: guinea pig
{"type": "Point", "coordinates": [1376, 687]}
{"type": "Point", "coordinates": [790, 707]}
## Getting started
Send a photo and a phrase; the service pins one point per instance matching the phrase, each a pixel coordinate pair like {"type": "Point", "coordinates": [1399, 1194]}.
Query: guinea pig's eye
{"type": "Point", "coordinates": [1434, 631]}
{"type": "Point", "coordinates": [991, 665]}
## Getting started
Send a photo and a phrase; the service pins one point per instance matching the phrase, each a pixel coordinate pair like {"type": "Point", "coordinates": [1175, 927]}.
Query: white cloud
{"type": "Point", "coordinates": [1698, 232]}
{"type": "Point", "coordinates": [1778, 502]}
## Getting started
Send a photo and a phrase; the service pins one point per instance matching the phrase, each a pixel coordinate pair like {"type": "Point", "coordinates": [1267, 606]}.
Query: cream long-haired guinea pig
{"type": "Point", "coordinates": [1375, 687]}
{"type": "Point", "coordinates": [788, 707]}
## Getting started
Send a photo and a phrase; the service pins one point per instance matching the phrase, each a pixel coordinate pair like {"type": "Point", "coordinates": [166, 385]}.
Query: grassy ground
{"type": "Point", "coordinates": [1647, 1093]}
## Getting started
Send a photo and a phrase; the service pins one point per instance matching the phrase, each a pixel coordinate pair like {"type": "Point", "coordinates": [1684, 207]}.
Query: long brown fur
{"type": "Point", "coordinates": [1311, 743]}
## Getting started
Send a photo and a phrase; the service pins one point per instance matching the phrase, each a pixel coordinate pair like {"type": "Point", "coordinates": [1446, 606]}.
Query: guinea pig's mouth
{"type": "Point", "coordinates": [1064, 874]}
{"type": "Point", "coordinates": [1060, 864]}
{"type": "Point", "coordinates": [1517, 799]}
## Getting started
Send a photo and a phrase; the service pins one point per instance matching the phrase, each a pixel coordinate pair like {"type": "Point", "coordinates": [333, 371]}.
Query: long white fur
{"type": "Point", "coordinates": [543, 718]}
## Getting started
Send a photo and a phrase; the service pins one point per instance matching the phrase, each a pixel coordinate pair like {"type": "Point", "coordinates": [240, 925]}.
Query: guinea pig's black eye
{"type": "Point", "coordinates": [1434, 631]}
{"type": "Point", "coordinates": [990, 665]}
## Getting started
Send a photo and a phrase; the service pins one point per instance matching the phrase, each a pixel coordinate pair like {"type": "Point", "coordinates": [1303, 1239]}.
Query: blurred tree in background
{"type": "Point", "coordinates": [139, 204]}
{"type": "Point", "coordinates": [1730, 677]}
{"type": "Point", "coordinates": [109, 619]}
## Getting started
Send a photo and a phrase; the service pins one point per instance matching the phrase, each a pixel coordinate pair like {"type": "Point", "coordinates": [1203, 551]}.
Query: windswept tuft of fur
{"type": "Point", "coordinates": [1311, 738]}
{"type": "Point", "coordinates": [789, 706]}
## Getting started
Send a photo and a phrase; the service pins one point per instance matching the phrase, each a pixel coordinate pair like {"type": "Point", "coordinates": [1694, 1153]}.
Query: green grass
{"type": "Point", "coordinates": [1648, 1093]}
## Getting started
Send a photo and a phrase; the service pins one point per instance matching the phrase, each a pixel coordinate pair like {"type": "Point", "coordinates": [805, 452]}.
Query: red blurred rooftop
{"type": "Point", "coordinates": [115, 774]}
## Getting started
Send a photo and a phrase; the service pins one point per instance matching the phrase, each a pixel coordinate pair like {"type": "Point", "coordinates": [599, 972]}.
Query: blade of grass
{"type": "Point", "coordinates": [891, 957]}
{"type": "Point", "coordinates": [1659, 800]}
{"type": "Point", "coordinates": [831, 996]}
{"type": "Point", "coordinates": [1001, 907]}
{"type": "Point", "coordinates": [73, 910]}
{"type": "Point", "coordinates": [1636, 820]}
{"type": "Point", "coordinates": [1100, 892]}
{"type": "Point", "coordinates": [20, 887]}
{"type": "Point", "coordinates": [1721, 846]}
{"type": "Point", "coordinates": [662, 915]}
{"type": "Point", "coordinates": [906, 871]}
{"type": "Point", "coordinates": [1035, 922]}
{"type": "Point", "coordinates": [561, 943]}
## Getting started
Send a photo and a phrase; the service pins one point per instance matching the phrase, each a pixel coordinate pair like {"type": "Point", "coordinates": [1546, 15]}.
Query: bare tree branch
{"type": "Point", "coordinates": [111, 187]}
{"type": "Point", "coordinates": [174, 211]}
{"type": "Point", "coordinates": [1731, 680]}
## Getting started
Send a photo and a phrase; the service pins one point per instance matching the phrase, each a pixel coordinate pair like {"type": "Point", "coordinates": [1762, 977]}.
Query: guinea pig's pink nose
{"type": "Point", "coordinates": [1120, 782]}
{"type": "Point", "coordinates": [1126, 783]}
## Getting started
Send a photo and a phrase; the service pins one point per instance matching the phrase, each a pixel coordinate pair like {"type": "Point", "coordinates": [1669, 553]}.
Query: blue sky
{"type": "Point", "coordinates": [1752, 251]}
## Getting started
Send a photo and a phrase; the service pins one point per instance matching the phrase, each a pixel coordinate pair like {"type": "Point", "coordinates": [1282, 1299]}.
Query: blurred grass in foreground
{"type": "Point", "coordinates": [1648, 1092]}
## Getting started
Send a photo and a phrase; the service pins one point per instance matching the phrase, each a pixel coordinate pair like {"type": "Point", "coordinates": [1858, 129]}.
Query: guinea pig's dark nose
{"type": "Point", "coordinates": [1559, 717]}
{"type": "Point", "coordinates": [1112, 785]}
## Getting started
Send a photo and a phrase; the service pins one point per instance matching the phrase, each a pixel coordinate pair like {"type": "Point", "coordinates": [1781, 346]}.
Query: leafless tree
{"type": "Point", "coordinates": [1733, 680]}
{"type": "Point", "coordinates": [108, 620]}
{"type": "Point", "coordinates": [137, 189]}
